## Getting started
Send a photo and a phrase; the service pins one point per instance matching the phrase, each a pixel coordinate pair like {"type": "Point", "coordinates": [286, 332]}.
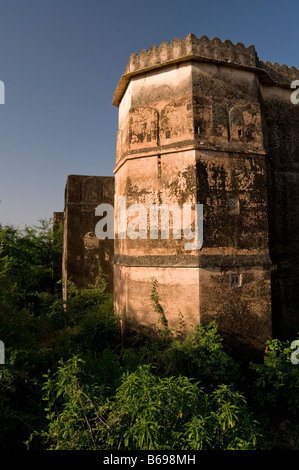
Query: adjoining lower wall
{"type": "Point", "coordinates": [281, 118]}
{"type": "Point", "coordinates": [85, 257]}
{"type": "Point", "coordinates": [58, 223]}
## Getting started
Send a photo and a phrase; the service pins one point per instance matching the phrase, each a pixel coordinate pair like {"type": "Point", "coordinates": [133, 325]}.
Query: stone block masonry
{"type": "Point", "coordinates": [84, 256]}
{"type": "Point", "coordinates": [201, 122]}
{"type": "Point", "coordinates": [205, 121]}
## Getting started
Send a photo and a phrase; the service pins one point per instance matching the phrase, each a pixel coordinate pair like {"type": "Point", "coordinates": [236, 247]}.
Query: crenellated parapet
{"type": "Point", "coordinates": [280, 73]}
{"type": "Point", "coordinates": [204, 49]}
{"type": "Point", "coordinates": [214, 48]}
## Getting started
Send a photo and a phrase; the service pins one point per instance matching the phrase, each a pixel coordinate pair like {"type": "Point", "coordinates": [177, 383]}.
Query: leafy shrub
{"type": "Point", "coordinates": [276, 382]}
{"type": "Point", "coordinates": [86, 321]}
{"type": "Point", "coordinates": [73, 427]}
{"type": "Point", "coordinates": [38, 328]}
{"type": "Point", "coordinates": [201, 356]}
{"type": "Point", "coordinates": [27, 260]}
{"type": "Point", "coordinates": [104, 394]}
{"type": "Point", "coordinates": [147, 412]}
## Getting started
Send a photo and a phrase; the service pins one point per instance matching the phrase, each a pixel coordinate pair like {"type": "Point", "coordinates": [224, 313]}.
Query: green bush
{"type": "Point", "coordinates": [201, 355]}
{"type": "Point", "coordinates": [147, 412]}
{"type": "Point", "coordinates": [86, 321]}
{"type": "Point", "coordinates": [27, 261]}
{"type": "Point", "coordinates": [38, 328]}
{"type": "Point", "coordinates": [169, 391]}
{"type": "Point", "coordinates": [276, 382]}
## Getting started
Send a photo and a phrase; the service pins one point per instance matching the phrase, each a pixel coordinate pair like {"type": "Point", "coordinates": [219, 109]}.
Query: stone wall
{"type": "Point", "coordinates": [84, 255]}
{"type": "Point", "coordinates": [205, 121]}
{"type": "Point", "coordinates": [281, 120]}
{"type": "Point", "coordinates": [58, 222]}
{"type": "Point", "coordinates": [200, 122]}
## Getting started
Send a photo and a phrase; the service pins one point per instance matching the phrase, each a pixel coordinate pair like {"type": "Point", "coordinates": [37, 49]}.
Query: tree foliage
{"type": "Point", "coordinates": [147, 412]}
{"type": "Point", "coordinates": [71, 381]}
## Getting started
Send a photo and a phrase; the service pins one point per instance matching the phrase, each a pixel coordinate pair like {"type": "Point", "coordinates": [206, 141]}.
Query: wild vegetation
{"type": "Point", "coordinates": [70, 381]}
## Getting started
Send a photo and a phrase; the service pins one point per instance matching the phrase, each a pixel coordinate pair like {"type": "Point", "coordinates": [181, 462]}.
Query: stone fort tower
{"type": "Point", "coordinates": [206, 122]}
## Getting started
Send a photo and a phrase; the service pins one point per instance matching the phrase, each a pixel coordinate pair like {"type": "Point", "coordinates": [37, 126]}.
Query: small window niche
{"type": "Point", "coordinates": [236, 280]}
{"type": "Point", "coordinates": [233, 206]}
{"type": "Point", "coordinates": [159, 166]}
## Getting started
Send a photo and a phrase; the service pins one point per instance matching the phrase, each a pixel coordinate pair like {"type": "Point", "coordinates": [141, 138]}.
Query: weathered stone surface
{"type": "Point", "coordinates": [83, 253]}
{"type": "Point", "coordinates": [200, 122]}
{"type": "Point", "coordinates": [204, 121]}
{"type": "Point", "coordinates": [58, 219]}
{"type": "Point", "coordinates": [282, 140]}
{"type": "Point", "coordinates": [58, 222]}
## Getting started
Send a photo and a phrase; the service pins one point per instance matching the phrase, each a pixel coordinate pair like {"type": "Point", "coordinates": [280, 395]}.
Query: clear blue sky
{"type": "Point", "coordinates": [60, 61]}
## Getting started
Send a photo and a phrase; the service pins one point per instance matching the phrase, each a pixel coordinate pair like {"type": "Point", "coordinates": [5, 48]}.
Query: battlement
{"type": "Point", "coordinates": [193, 46]}
{"type": "Point", "coordinates": [279, 73]}
{"type": "Point", "coordinates": [203, 48]}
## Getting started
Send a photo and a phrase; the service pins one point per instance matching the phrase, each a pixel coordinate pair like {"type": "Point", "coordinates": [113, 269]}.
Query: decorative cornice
{"type": "Point", "coordinates": [193, 261]}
